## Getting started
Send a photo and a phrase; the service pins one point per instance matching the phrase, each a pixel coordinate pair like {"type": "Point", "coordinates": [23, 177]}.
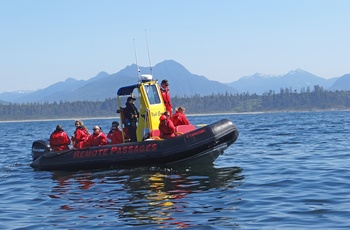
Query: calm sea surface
{"type": "Point", "coordinates": [286, 171]}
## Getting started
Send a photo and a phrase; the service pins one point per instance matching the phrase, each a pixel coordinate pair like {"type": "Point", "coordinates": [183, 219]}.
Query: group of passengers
{"type": "Point", "coordinates": [168, 123]}
{"type": "Point", "coordinates": [59, 139]}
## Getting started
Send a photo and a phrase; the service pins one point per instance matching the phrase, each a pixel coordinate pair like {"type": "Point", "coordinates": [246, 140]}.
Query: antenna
{"type": "Point", "coordinates": [149, 56]}
{"type": "Point", "coordinates": [137, 66]}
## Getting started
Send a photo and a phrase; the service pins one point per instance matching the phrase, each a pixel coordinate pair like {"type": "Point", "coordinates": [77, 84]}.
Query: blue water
{"type": "Point", "coordinates": [286, 171]}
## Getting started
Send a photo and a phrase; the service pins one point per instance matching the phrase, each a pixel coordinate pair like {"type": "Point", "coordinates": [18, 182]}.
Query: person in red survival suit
{"type": "Point", "coordinates": [114, 136]}
{"type": "Point", "coordinates": [59, 139]}
{"type": "Point", "coordinates": [166, 126]}
{"type": "Point", "coordinates": [97, 138]}
{"type": "Point", "coordinates": [81, 135]}
{"type": "Point", "coordinates": [179, 118]}
{"type": "Point", "coordinates": [164, 88]}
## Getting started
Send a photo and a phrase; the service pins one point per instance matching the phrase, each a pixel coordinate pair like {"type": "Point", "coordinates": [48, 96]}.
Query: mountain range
{"type": "Point", "coordinates": [182, 83]}
{"type": "Point", "coordinates": [296, 80]}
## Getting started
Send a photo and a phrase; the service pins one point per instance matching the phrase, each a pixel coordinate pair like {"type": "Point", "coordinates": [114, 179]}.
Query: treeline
{"type": "Point", "coordinates": [286, 100]}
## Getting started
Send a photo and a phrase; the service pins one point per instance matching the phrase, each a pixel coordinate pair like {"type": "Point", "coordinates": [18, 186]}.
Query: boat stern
{"type": "Point", "coordinates": [39, 147]}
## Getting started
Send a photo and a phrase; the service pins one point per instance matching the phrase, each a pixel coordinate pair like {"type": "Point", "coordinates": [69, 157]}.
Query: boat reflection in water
{"type": "Point", "coordinates": [142, 196]}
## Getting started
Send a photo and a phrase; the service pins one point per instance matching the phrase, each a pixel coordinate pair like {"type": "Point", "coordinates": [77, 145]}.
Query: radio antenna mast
{"type": "Point", "coordinates": [137, 66]}
{"type": "Point", "coordinates": [149, 56]}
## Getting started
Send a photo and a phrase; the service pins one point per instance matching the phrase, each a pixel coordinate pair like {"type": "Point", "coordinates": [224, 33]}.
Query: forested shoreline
{"type": "Point", "coordinates": [285, 100]}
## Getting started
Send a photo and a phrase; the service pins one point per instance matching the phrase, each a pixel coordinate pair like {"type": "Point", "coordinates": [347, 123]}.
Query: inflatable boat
{"type": "Point", "coordinates": [200, 146]}
{"type": "Point", "coordinates": [191, 145]}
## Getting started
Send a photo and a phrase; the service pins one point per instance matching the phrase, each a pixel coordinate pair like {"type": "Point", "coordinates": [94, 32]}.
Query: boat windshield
{"type": "Point", "coordinates": [152, 94]}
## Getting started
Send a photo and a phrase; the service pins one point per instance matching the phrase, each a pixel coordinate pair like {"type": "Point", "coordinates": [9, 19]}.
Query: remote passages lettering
{"type": "Point", "coordinates": [112, 150]}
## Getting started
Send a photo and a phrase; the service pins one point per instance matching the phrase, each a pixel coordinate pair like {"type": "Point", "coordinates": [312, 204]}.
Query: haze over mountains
{"type": "Point", "coordinates": [295, 79]}
{"type": "Point", "coordinates": [182, 83]}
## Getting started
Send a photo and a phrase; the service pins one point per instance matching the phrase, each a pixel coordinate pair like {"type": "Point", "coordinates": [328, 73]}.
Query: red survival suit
{"type": "Point", "coordinates": [97, 139]}
{"type": "Point", "coordinates": [115, 136]}
{"type": "Point", "coordinates": [179, 119]}
{"type": "Point", "coordinates": [166, 99]}
{"type": "Point", "coordinates": [59, 140]}
{"type": "Point", "coordinates": [80, 137]}
{"type": "Point", "coordinates": [166, 128]}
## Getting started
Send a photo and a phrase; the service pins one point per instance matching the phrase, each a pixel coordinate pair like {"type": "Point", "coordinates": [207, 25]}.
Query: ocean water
{"type": "Point", "coordinates": [285, 171]}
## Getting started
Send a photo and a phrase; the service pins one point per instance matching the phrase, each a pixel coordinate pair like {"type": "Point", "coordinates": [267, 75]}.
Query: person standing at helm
{"type": "Point", "coordinates": [164, 88]}
{"type": "Point", "coordinates": [131, 115]}
{"type": "Point", "coordinates": [166, 126]}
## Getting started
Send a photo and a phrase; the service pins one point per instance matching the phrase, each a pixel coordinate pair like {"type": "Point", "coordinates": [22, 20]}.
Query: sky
{"type": "Point", "coordinates": [44, 42]}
